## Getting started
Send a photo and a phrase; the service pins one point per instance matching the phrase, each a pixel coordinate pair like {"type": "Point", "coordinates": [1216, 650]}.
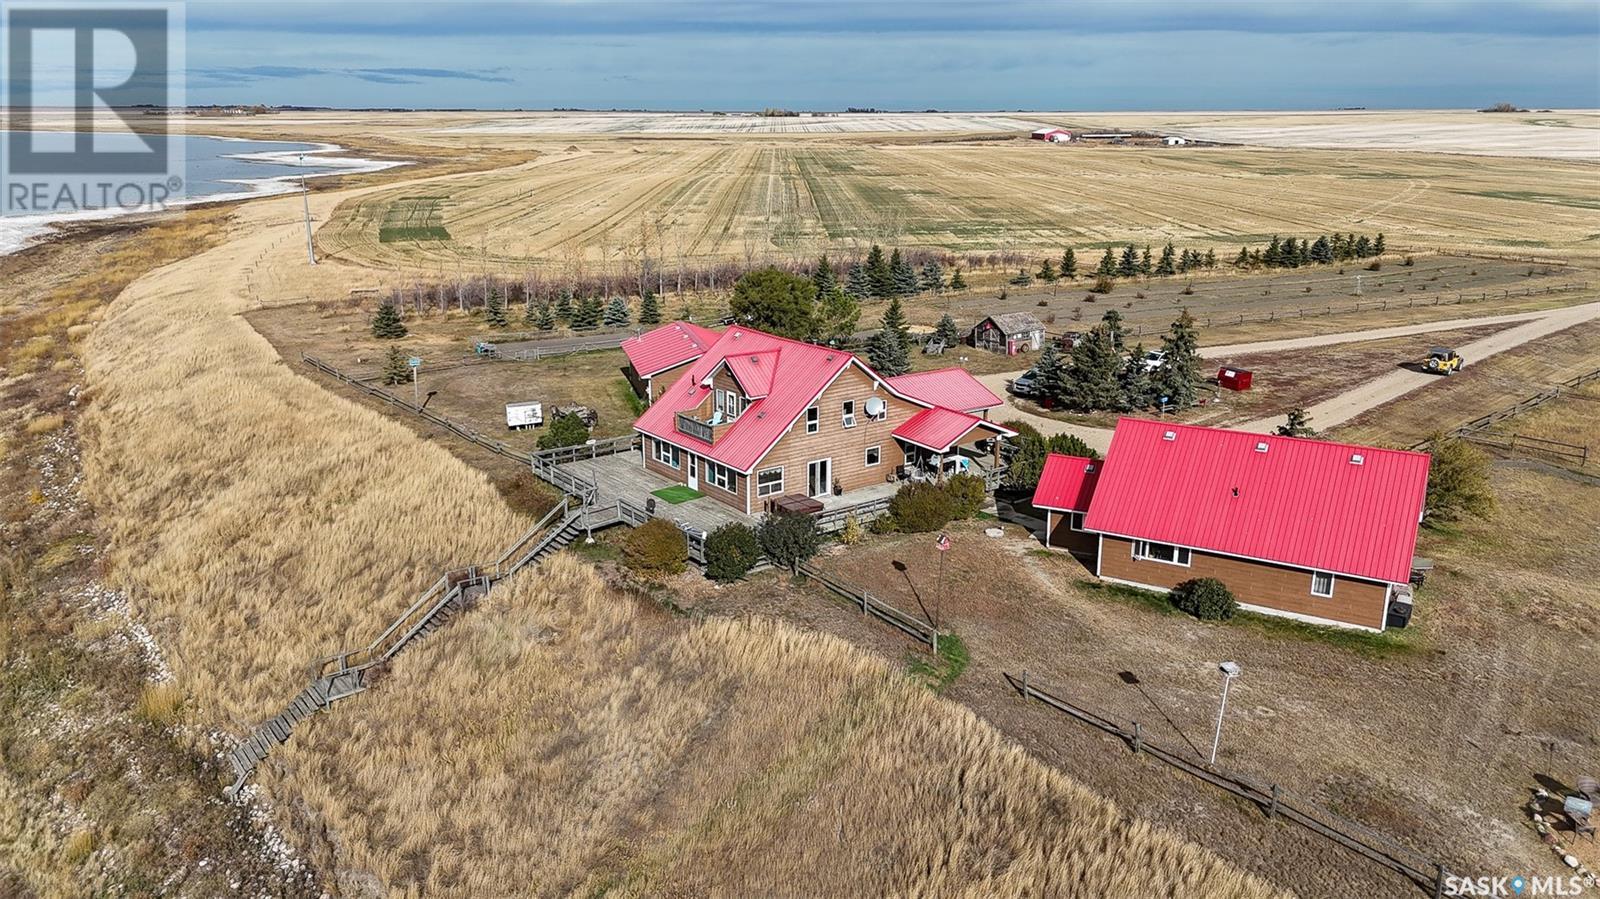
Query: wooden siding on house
{"type": "Point", "coordinates": [1060, 535]}
{"type": "Point", "coordinates": [847, 447]}
{"type": "Point", "coordinates": [734, 497]}
{"type": "Point", "coordinates": [1269, 586]}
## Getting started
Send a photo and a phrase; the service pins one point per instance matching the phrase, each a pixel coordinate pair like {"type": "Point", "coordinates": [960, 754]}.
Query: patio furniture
{"type": "Point", "coordinates": [797, 504]}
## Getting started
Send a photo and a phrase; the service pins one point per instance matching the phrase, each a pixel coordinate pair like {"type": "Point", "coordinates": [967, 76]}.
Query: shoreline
{"type": "Point", "coordinates": [22, 231]}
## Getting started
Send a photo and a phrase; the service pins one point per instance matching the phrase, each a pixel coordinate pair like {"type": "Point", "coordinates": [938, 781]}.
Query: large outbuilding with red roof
{"type": "Point", "coordinates": [660, 355]}
{"type": "Point", "coordinates": [756, 417]}
{"type": "Point", "coordinates": [1311, 529]}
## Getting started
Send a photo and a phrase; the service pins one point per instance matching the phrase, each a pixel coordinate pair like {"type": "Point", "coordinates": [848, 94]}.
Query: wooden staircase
{"type": "Point", "coordinates": [345, 674]}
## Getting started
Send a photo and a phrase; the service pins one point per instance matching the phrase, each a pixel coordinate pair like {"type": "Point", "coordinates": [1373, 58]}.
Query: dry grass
{"type": "Point", "coordinates": [566, 739]}
{"type": "Point", "coordinates": [160, 704]}
{"type": "Point", "coordinates": [44, 424]}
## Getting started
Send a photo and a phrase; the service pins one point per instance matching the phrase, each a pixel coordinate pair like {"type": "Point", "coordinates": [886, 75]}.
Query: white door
{"type": "Point", "coordinates": [819, 477]}
{"type": "Point", "coordinates": [694, 471]}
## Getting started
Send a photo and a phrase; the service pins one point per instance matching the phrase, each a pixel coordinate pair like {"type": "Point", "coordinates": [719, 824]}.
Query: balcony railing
{"type": "Point", "coordinates": [695, 428]}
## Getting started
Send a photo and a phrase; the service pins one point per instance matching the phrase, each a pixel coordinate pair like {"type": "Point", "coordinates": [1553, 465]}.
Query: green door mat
{"type": "Point", "coordinates": [677, 493]}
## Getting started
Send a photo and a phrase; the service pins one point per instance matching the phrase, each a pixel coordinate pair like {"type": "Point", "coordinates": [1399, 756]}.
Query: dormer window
{"type": "Point", "coordinates": [730, 404]}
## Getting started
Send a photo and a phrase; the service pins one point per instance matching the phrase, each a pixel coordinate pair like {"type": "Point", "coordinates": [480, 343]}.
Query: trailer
{"type": "Point", "coordinates": [524, 415]}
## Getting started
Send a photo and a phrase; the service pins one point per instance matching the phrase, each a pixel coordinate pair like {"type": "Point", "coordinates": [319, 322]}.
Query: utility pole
{"type": "Point", "coordinates": [305, 198]}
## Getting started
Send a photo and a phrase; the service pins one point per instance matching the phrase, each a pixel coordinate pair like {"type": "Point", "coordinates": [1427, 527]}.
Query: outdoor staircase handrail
{"type": "Point", "coordinates": [559, 509]}
{"type": "Point", "coordinates": [445, 590]}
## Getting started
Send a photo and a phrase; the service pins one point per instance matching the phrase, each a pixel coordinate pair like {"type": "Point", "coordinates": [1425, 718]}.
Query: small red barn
{"type": "Point", "coordinates": [1235, 378]}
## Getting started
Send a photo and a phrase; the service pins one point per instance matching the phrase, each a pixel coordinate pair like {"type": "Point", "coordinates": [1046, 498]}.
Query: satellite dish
{"type": "Point", "coordinates": [876, 406]}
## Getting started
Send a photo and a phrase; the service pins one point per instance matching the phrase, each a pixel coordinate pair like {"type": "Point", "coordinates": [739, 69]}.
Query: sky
{"type": "Point", "coordinates": [823, 54]}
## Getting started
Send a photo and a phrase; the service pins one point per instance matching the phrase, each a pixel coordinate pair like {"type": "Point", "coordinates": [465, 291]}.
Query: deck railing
{"type": "Point", "coordinates": [694, 427]}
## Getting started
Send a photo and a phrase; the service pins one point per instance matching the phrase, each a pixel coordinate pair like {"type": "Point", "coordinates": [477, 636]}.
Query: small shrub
{"type": "Point", "coordinates": [853, 533]}
{"type": "Point", "coordinates": [1042, 303]}
{"type": "Point", "coordinates": [566, 430]}
{"type": "Point", "coordinates": [656, 547]}
{"type": "Point", "coordinates": [967, 495]}
{"type": "Point", "coordinates": [883, 524]}
{"type": "Point", "coordinates": [1188, 289]}
{"type": "Point", "coordinates": [788, 539]}
{"type": "Point", "coordinates": [920, 508]}
{"type": "Point", "coordinates": [731, 551]}
{"type": "Point", "coordinates": [80, 846]}
{"type": "Point", "coordinates": [1103, 284]}
{"type": "Point", "coordinates": [1205, 598]}
{"type": "Point", "coordinates": [1409, 262]}
{"type": "Point", "coordinates": [1374, 265]}
{"type": "Point", "coordinates": [45, 424]}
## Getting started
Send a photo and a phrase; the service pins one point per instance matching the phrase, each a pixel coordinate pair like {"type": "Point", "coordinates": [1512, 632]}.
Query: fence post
{"type": "Point", "coordinates": [1438, 880]}
{"type": "Point", "coordinates": [1138, 738]}
{"type": "Point", "coordinates": [933, 642]}
{"type": "Point", "coordinates": [1024, 683]}
{"type": "Point", "coordinates": [865, 598]}
{"type": "Point", "coordinates": [1272, 810]}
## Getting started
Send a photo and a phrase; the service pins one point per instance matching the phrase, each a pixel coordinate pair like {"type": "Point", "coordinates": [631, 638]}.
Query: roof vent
{"type": "Point", "coordinates": [830, 357]}
{"type": "Point", "coordinates": [760, 415]}
{"type": "Point", "coordinates": [1261, 446]}
{"type": "Point", "coordinates": [1236, 491]}
{"type": "Point", "coordinates": [1357, 459]}
{"type": "Point", "coordinates": [737, 335]}
{"type": "Point", "coordinates": [1170, 435]}
{"type": "Point", "coordinates": [1088, 469]}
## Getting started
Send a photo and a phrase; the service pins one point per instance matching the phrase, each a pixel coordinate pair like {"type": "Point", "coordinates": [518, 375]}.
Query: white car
{"type": "Point", "coordinates": [1022, 385]}
{"type": "Point", "coordinates": [1153, 359]}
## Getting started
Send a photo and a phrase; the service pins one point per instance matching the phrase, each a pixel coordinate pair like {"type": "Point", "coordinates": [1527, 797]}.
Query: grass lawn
{"type": "Point", "coordinates": [677, 493]}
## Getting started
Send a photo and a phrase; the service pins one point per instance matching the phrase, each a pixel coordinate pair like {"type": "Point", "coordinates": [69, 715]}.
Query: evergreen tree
{"type": "Point", "coordinates": [888, 354]}
{"type": "Point", "coordinates": [932, 276]}
{"type": "Point", "coordinates": [1180, 369]}
{"type": "Point", "coordinates": [1298, 424]}
{"type": "Point", "coordinates": [1243, 259]}
{"type": "Point", "coordinates": [649, 309]}
{"type": "Point", "coordinates": [1211, 258]}
{"type": "Point", "coordinates": [1108, 265]}
{"type": "Point", "coordinates": [838, 313]}
{"type": "Point", "coordinates": [946, 330]}
{"type": "Point", "coordinates": [905, 277]}
{"type": "Point", "coordinates": [547, 318]}
{"type": "Point", "coordinates": [530, 315]}
{"type": "Point", "coordinates": [396, 367]}
{"type": "Point", "coordinates": [894, 319]}
{"type": "Point", "coordinates": [1288, 253]}
{"type": "Point", "coordinates": [957, 280]}
{"type": "Point", "coordinates": [1129, 266]}
{"type": "Point", "coordinates": [824, 277]}
{"type": "Point", "coordinates": [617, 313]}
{"type": "Point", "coordinates": [1377, 245]}
{"type": "Point", "coordinates": [587, 315]}
{"type": "Point", "coordinates": [859, 283]}
{"type": "Point", "coordinates": [1321, 251]}
{"type": "Point", "coordinates": [1118, 333]}
{"type": "Point", "coordinates": [1092, 382]}
{"type": "Point", "coordinates": [1145, 265]}
{"type": "Point", "coordinates": [564, 311]}
{"type": "Point", "coordinates": [776, 301]}
{"type": "Point", "coordinates": [1273, 257]}
{"type": "Point", "coordinates": [1350, 246]}
{"type": "Point", "coordinates": [1023, 279]}
{"type": "Point", "coordinates": [1166, 265]}
{"type": "Point", "coordinates": [494, 310]}
{"type": "Point", "coordinates": [1069, 264]}
{"type": "Point", "coordinates": [1050, 375]}
{"type": "Point", "coordinates": [1363, 247]}
{"type": "Point", "coordinates": [1133, 380]}
{"type": "Point", "coordinates": [1047, 272]}
{"type": "Point", "coordinates": [879, 278]}
{"type": "Point", "coordinates": [386, 324]}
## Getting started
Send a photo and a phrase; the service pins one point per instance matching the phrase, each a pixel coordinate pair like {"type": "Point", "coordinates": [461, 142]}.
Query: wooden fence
{"type": "Point", "coordinates": [911, 626]}
{"type": "Point", "coordinates": [1439, 299]}
{"type": "Point", "coordinates": [1428, 873]}
{"type": "Point", "coordinates": [456, 428]}
{"type": "Point", "coordinates": [1529, 445]}
{"type": "Point", "coordinates": [1472, 428]}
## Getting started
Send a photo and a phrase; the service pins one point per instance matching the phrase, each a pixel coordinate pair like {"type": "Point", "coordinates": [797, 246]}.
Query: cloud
{"type": "Point", "coordinates": [392, 75]}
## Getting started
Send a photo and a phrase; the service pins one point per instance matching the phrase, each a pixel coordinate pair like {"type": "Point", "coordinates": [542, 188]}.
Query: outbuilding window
{"type": "Point", "coordinates": [1151, 551]}
{"type": "Point", "coordinates": [1321, 583]}
{"type": "Point", "coordinates": [1075, 521]}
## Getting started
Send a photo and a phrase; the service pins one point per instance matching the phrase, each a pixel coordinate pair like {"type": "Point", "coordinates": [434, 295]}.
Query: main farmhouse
{"type": "Point", "coordinates": [1310, 529]}
{"type": "Point", "coordinates": [750, 418]}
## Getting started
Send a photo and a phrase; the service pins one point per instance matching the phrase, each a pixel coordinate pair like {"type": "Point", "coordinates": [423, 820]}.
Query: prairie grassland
{"type": "Point", "coordinates": [569, 740]}
{"type": "Point", "coordinates": [588, 203]}
{"type": "Point", "coordinates": [257, 520]}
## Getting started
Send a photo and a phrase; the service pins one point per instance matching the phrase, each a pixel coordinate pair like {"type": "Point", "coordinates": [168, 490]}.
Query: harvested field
{"type": "Point", "coordinates": [567, 123]}
{"type": "Point", "coordinates": [599, 204]}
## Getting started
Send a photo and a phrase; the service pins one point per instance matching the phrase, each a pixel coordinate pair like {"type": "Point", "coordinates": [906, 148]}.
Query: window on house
{"type": "Point", "coordinates": [666, 453]}
{"type": "Point", "coordinates": [1321, 583]}
{"type": "Point", "coordinates": [874, 455]}
{"type": "Point", "coordinates": [730, 403]}
{"type": "Point", "coordinates": [717, 475]}
{"type": "Point", "coordinates": [813, 420]}
{"type": "Point", "coordinates": [1075, 520]}
{"type": "Point", "coordinates": [769, 482]}
{"type": "Point", "coordinates": [849, 413]}
{"type": "Point", "coordinates": [1161, 552]}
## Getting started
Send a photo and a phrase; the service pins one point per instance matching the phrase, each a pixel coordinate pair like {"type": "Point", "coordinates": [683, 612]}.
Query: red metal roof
{"type": "Point", "coordinates": [1289, 500]}
{"type": "Point", "coordinates": [800, 372]}
{"type": "Point", "coordinates": [952, 388]}
{"type": "Point", "coordinates": [671, 344]}
{"type": "Point", "coordinates": [754, 371]}
{"type": "Point", "coordinates": [938, 428]}
{"type": "Point", "coordinates": [1067, 483]}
